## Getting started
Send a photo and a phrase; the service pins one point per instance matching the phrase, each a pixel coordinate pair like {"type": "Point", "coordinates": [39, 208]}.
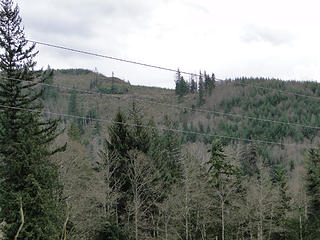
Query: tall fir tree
{"type": "Point", "coordinates": [166, 150]}
{"type": "Point", "coordinates": [206, 81]}
{"type": "Point", "coordinates": [177, 81]}
{"type": "Point", "coordinates": [249, 159]}
{"type": "Point", "coordinates": [29, 181]}
{"type": "Point", "coordinates": [212, 84]}
{"type": "Point", "coordinates": [126, 134]}
{"type": "Point", "coordinates": [201, 90]}
{"type": "Point", "coordinates": [182, 87]}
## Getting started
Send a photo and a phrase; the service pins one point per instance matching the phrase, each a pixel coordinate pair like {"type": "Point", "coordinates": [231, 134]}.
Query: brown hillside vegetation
{"type": "Point", "coordinates": [224, 113]}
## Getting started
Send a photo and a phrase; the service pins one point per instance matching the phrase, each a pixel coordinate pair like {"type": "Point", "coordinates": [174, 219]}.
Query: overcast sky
{"type": "Point", "coordinates": [232, 38]}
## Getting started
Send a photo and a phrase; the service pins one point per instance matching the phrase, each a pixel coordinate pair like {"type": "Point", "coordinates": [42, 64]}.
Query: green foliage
{"type": "Point", "coordinates": [125, 135]}
{"type": "Point", "coordinates": [313, 190]}
{"type": "Point", "coordinates": [49, 92]}
{"type": "Point", "coordinates": [73, 104]}
{"type": "Point", "coordinates": [201, 91]}
{"type": "Point", "coordinates": [140, 136]}
{"type": "Point", "coordinates": [112, 232]}
{"type": "Point", "coordinates": [217, 161]}
{"type": "Point", "coordinates": [205, 86]}
{"type": "Point", "coordinates": [182, 87]}
{"type": "Point", "coordinates": [74, 132]}
{"type": "Point", "coordinates": [255, 100]}
{"type": "Point", "coordinates": [114, 89]}
{"type": "Point", "coordinates": [191, 136]}
{"type": "Point", "coordinates": [193, 85]}
{"type": "Point", "coordinates": [209, 83]}
{"type": "Point", "coordinates": [76, 71]}
{"type": "Point", "coordinates": [97, 128]}
{"type": "Point", "coordinates": [28, 175]}
{"type": "Point", "coordinates": [165, 150]}
{"type": "Point", "coordinates": [249, 159]}
{"type": "Point", "coordinates": [73, 109]}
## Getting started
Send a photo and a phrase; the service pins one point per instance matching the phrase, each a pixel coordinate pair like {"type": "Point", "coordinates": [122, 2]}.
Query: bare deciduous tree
{"type": "Point", "coordinates": [84, 189]}
{"type": "Point", "coordinates": [110, 164]}
{"type": "Point", "coordinates": [145, 190]}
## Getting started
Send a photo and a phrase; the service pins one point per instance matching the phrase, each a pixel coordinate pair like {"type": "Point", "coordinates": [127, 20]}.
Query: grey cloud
{"type": "Point", "coordinates": [50, 26]}
{"type": "Point", "coordinates": [263, 34]}
{"type": "Point", "coordinates": [81, 19]}
{"type": "Point", "coordinates": [95, 25]}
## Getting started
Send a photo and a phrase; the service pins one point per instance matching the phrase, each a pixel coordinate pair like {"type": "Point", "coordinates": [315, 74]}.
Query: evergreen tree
{"type": "Point", "coordinates": [139, 134]}
{"type": "Point", "coordinates": [201, 90]}
{"type": "Point", "coordinates": [217, 162]}
{"type": "Point", "coordinates": [212, 84]}
{"type": "Point", "coordinates": [209, 83]}
{"type": "Point", "coordinates": [224, 179]}
{"type": "Point", "coordinates": [165, 151]}
{"type": "Point", "coordinates": [206, 81]}
{"type": "Point", "coordinates": [49, 92]}
{"type": "Point", "coordinates": [74, 132]}
{"type": "Point", "coordinates": [125, 135]}
{"type": "Point", "coordinates": [182, 87]}
{"type": "Point", "coordinates": [193, 85]}
{"type": "Point", "coordinates": [29, 179]}
{"type": "Point", "coordinates": [313, 191]}
{"type": "Point", "coordinates": [73, 105]}
{"type": "Point", "coordinates": [177, 81]}
{"type": "Point", "coordinates": [249, 159]}
{"type": "Point", "coordinates": [118, 146]}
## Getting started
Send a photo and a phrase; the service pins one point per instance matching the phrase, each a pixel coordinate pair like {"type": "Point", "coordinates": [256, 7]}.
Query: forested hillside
{"type": "Point", "coordinates": [151, 182]}
{"type": "Point", "coordinates": [85, 156]}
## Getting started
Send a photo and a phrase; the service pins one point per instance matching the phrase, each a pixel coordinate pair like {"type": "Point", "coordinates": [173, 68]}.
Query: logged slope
{"type": "Point", "coordinates": [245, 97]}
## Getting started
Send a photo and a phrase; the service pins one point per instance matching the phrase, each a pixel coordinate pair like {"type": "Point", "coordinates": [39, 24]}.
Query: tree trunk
{"type": "Point", "coordinates": [22, 221]}
{"type": "Point", "coordinates": [270, 224]}
{"type": "Point", "coordinates": [305, 206]}
{"type": "Point", "coordinates": [204, 232]}
{"type": "Point", "coordinates": [166, 230]}
{"type": "Point", "coordinates": [300, 223]}
{"type": "Point", "coordinates": [64, 230]}
{"type": "Point", "coordinates": [186, 215]}
{"type": "Point", "coordinates": [136, 218]}
{"type": "Point", "coordinates": [222, 219]}
{"type": "Point", "coordinates": [251, 232]}
{"type": "Point", "coordinates": [260, 224]}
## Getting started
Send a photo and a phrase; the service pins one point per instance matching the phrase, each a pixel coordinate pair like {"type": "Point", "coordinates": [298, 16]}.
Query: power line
{"type": "Point", "coordinates": [176, 106]}
{"type": "Point", "coordinates": [109, 57]}
{"type": "Point", "coordinates": [154, 128]}
{"type": "Point", "coordinates": [157, 67]}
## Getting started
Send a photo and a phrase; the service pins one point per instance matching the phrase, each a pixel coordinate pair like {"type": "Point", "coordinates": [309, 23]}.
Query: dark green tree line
{"type": "Point", "coordinates": [203, 87]}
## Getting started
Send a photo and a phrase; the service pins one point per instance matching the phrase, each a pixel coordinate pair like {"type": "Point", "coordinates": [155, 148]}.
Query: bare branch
{"type": "Point", "coordinates": [64, 229]}
{"type": "Point", "coordinates": [22, 220]}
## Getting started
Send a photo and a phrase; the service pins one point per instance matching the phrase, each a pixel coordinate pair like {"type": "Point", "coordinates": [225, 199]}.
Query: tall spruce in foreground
{"type": "Point", "coordinates": [29, 183]}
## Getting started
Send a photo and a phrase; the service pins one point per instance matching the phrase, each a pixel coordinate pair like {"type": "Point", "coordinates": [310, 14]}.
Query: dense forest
{"type": "Point", "coordinates": [85, 156]}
